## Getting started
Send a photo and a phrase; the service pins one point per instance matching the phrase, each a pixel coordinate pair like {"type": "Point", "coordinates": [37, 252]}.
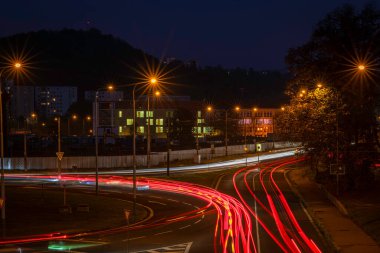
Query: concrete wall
{"type": "Point", "coordinates": [126, 161]}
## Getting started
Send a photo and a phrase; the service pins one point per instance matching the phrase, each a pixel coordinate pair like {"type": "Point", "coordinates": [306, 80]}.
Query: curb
{"type": "Point", "coordinates": [321, 228]}
{"type": "Point", "coordinates": [339, 205]}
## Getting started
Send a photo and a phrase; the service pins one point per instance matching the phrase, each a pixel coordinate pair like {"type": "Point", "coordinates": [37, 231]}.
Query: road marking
{"type": "Point", "coordinates": [156, 202]}
{"type": "Point", "coordinates": [197, 221]}
{"type": "Point", "coordinates": [179, 248]}
{"type": "Point", "coordinates": [165, 232]}
{"type": "Point", "coordinates": [176, 218]}
{"type": "Point", "coordinates": [134, 238]}
{"type": "Point", "coordinates": [218, 182]}
{"type": "Point", "coordinates": [185, 227]}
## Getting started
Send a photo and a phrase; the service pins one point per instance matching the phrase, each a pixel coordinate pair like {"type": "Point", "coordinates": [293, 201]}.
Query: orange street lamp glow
{"type": "Point", "coordinates": [255, 109]}
{"type": "Point", "coordinates": [319, 85]}
{"type": "Point", "coordinates": [17, 65]}
{"type": "Point", "coordinates": [303, 91]}
{"type": "Point", "coordinates": [209, 108]}
{"type": "Point", "coordinates": [88, 118]}
{"type": "Point", "coordinates": [157, 93]}
{"type": "Point", "coordinates": [110, 87]}
{"type": "Point", "coordinates": [282, 108]}
{"type": "Point", "coordinates": [33, 115]}
{"type": "Point", "coordinates": [153, 80]}
{"type": "Point", "coordinates": [361, 67]}
{"type": "Point", "coordinates": [301, 95]}
{"type": "Point", "coordinates": [75, 116]}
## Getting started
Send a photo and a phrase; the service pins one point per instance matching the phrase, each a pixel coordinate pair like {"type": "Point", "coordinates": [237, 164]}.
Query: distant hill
{"type": "Point", "coordinates": [89, 59]}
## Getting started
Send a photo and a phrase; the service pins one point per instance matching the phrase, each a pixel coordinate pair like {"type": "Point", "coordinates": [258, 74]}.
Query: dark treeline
{"type": "Point", "coordinates": [88, 59]}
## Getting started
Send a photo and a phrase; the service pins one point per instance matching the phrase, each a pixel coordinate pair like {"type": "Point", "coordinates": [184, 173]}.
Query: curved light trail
{"type": "Point", "coordinates": [293, 238]}
{"type": "Point", "coordinates": [233, 229]}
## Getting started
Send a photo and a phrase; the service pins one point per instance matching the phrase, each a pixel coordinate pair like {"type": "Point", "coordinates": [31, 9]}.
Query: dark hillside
{"type": "Point", "coordinates": [89, 59]}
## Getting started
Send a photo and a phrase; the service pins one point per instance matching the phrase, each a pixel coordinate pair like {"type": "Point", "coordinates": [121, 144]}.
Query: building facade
{"type": "Point", "coordinates": [46, 101]}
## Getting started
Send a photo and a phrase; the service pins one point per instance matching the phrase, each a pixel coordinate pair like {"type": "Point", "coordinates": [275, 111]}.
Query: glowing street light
{"type": "Point", "coordinates": [361, 67]}
{"type": "Point", "coordinates": [110, 87]}
{"type": "Point", "coordinates": [16, 65]}
{"type": "Point", "coordinates": [152, 82]}
{"type": "Point", "coordinates": [319, 85]}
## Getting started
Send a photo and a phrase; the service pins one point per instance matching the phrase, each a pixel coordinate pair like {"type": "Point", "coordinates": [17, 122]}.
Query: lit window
{"type": "Point", "coordinates": [151, 121]}
{"type": "Point", "coordinates": [149, 114]}
{"type": "Point", "coordinates": [140, 114]}
{"type": "Point", "coordinates": [200, 121]}
{"type": "Point", "coordinates": [140, 129]}
{"type": "Point", "coordinates": [159, 130]}
{"type": "Point", "coordinates": [199, 113]}
{"type": "Point", "coordinates": [120, 129]}
{"type": "Point", "coordinates": [169, 114]}
{"type": "Point", "coordinates": [159, 122]}
{"type": "Point", "coordinates": [129, 122]}
{"type": "Point", "coordinates": [120, 114]}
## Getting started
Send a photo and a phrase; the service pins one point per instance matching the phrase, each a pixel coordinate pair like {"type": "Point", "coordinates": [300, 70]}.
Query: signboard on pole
{"type": "Point", "coordinates": [126, 214]}
{"type": "Point", "coordinates": [258, 147]}
{"type": "Point", "coordinates": [59, 155]}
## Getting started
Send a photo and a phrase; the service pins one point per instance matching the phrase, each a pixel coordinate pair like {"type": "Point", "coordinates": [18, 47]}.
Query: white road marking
{"type": "Point", "coordinates": [185, 227]}
{"type": "Point", "coordinates": [197, 221]}
{"type": "Point", "coordinates": [165, 232]}
{"type": "Point", "coordinates": [134, 238]}
{"type": "Point", "coordinates": [156, 202]}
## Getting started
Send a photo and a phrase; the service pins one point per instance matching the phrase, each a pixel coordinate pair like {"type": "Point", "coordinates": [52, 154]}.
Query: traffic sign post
{"type": "Point", "coordinates": [60, 155]}
{"type": "Point", "coordinates": [337, 169]}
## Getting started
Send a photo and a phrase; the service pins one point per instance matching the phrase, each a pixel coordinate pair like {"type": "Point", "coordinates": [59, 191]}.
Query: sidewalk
{"type": "Point", "coordinates": [340, 231]}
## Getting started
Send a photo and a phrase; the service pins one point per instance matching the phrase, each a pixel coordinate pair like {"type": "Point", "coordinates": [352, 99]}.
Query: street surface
{"type": "Point", "coordinates": [252, 210]}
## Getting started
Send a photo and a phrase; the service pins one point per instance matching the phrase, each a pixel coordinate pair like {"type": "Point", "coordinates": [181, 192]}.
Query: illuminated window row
{"type": "Point", "coordinates": [141, 129]}
{"type": "Point", "coordinates": [159, 122]}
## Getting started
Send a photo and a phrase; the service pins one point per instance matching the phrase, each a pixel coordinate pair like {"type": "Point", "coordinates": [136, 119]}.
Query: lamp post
{"type": "Point", "coordinates": [109, 88]}
{"type": "Point", "coordinates": [153, 81]}
{"type": "Point", "coordinates": [16, 65]}
{"type": "Point", "coordinates": [134, 151]}
{"type": "Point", "coordinates": [73, 117]}
{"type": "Point", "coordinates": [32, 116]}
{"type": "Point", "coordinates": [58, 119]}
{"type": "Point", "coordinates": [87, 118]}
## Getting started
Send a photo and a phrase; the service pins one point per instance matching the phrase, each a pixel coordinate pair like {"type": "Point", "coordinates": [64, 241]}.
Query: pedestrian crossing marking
{"type": "Point", "coordinates": [178, 248]}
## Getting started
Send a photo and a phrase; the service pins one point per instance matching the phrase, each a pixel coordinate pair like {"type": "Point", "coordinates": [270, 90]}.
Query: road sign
{"type": "Point", "coordinates": [337, 169]}
{"type": "Point", "coordinates": [258, 147]}
{"type": "Point", "coordinates": [126, 214]}
{"type": "Point", "coordinates": [59, 155]}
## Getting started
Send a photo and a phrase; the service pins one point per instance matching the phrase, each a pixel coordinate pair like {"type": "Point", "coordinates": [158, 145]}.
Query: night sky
{"type": "Point", "coordinates": [239, 33]}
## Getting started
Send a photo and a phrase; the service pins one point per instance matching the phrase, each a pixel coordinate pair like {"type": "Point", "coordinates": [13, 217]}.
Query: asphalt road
{"type": "Point", "coordinates": [263, 215]}
{"type": "Point", "coordinates": [281, 223]}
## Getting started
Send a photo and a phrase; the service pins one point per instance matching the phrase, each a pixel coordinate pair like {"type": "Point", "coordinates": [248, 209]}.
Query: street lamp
{"type": "Point", "coordinates": [152, 82]}
{"type": "Point", "coordinates": [87, 118]}
{"type": "Point", "coordinates": [17, 65]}
{"type": "Point", "coordinates": [361, 67]}
{"type": "Point", "coordinates": [109, 88]}
{"type": "Point", "coordinates": [73, 117]}
{"type": "Point", "coordinates": [33, 116]}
